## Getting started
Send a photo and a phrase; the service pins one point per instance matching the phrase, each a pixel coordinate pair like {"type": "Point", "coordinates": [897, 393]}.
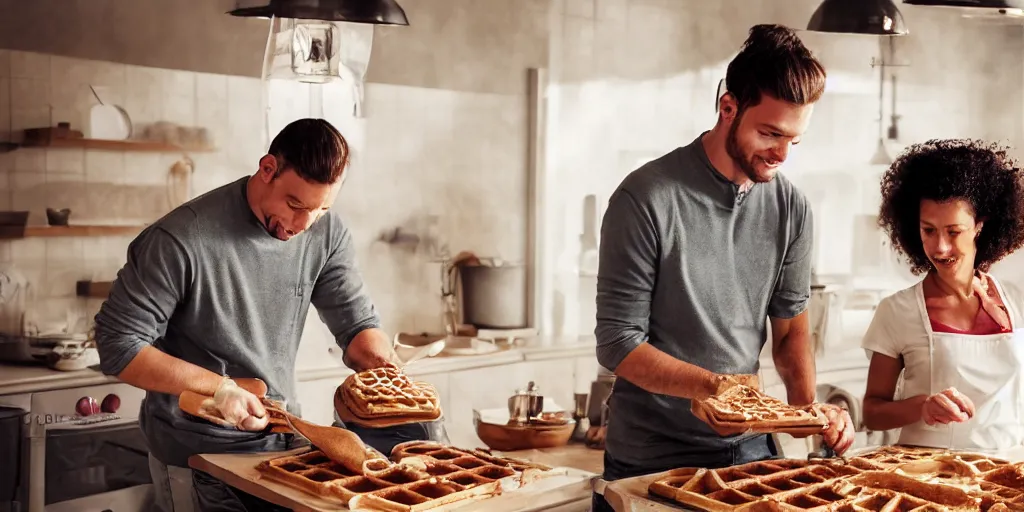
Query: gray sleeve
{"type": "Point", "coordinates": [793, 289]}
{"type": "Point", "coordinates": [339, 295]}
{"type": "Point", "coordinates": [625, 279]}
{"type": "Point", "coordinates": [156, 276]}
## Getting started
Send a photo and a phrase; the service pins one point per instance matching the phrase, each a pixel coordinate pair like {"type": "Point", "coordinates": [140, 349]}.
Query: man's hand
{"type": "Point", "coordinates": [240, 407]}
{"type": "Point", "coordinates": [370, 349]}
{"type": "Point", "coordinates": [947, 406]}
{"type": "Point", "coordinates": [840, 431]}
{"type": "Point", "coordinates": [722, 381]}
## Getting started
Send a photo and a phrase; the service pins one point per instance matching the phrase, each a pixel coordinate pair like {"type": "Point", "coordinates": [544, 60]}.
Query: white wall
{"type": "Point", "coordinates": [635, 79]}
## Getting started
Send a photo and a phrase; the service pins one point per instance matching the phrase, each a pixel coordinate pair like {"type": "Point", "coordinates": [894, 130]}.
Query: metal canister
{"type": "Point", "coordinates": [525, 405]}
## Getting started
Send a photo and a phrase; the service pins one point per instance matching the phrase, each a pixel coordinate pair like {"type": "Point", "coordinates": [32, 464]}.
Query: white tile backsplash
{"type": "Point", "coordinates": [29, 65]}
{"type": "Point", "coordinates": [415, 153]}
{"type": "Point", "coordinates": [647, 86]}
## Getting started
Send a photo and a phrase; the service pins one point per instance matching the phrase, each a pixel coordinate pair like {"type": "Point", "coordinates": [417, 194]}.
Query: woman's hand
{"type": "Point", "coordinates": [948, 406]}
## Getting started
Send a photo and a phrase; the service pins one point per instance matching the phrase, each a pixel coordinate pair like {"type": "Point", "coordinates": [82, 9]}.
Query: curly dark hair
{"type": "Point", "coordinates": [978, 172]}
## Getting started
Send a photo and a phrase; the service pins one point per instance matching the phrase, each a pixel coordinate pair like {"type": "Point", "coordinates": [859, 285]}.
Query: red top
{"type": "Point", "coordinates": [984, 324]}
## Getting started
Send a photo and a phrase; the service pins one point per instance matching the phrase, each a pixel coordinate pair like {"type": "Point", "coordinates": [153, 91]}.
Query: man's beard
{"type": "Point", "coordinates": [733, 149]}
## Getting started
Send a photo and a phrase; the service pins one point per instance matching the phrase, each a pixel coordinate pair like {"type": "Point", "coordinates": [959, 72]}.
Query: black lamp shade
{"type": "Point", "coordinates": [874, 17]}
{"type": "Point", "coordinates": [377, 12]}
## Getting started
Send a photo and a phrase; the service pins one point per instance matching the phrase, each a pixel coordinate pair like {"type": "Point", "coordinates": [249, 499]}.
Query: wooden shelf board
{"type": "Point", "coordinates": [114, 145]}
{"type": "Point", "coordinates": [93, 289]}
{"type": "Point", "coordinates": [8, 232]}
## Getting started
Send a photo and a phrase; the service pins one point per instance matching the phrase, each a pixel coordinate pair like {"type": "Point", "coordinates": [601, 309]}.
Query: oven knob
{"type": "Point", "coordinates": [87, 406]}
{"type": "Point", "coordinates": [111, 403]}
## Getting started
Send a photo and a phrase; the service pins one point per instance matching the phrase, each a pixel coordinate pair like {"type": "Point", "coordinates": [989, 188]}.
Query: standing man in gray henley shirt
{"type": "Point", "coordinates": [698, 249]}
{"type": "Point", "coordinates": [220, 287]}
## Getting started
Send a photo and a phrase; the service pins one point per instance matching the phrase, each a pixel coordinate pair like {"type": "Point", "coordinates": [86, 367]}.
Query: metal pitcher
{"type": "Point", "coordinates": [525, 405]}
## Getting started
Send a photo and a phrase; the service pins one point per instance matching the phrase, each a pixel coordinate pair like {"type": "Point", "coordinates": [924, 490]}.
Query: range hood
{"type": "Point", "coordinates": [376, 12]}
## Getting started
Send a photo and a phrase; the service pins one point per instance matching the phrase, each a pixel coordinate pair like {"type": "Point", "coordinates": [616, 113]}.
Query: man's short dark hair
{"type": "Point", "coordinates": [775, 62]}
{"type": "Point", "coordinates": [313, 148]}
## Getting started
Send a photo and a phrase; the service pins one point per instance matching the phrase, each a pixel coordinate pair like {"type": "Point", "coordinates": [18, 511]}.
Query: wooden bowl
{"type": "Point", "coordinates": [508, 438]}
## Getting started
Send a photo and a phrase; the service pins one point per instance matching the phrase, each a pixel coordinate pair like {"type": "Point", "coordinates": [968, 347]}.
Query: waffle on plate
{"type": "Point", "coordinates": [429, 476]}
{"type": "Point", "coordinates": [738, 408]}
{"type": "Point", "coordinates": [384, 397]}
{"type": "Point", "coordinates": [889, 479]}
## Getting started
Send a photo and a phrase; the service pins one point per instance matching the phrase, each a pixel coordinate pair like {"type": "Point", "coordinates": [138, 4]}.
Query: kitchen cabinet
{"type": "Point", "coordinates": [317, 399]}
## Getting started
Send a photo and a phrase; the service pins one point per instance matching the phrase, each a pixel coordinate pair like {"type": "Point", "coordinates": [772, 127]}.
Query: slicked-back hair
{"type": "Point", "coordinates": [775, 62]}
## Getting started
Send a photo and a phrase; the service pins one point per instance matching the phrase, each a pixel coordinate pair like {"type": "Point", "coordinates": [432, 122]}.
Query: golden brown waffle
{"type": "Point", "coordinates": [738, 408]}
{"type": "Point", "coordinates": [385, 396]}
{"type": "Point", "coordinates": [887, 457]}
{"type": "Point", "coordinates": [431, 451]}
{"type": "Point", "coordinates": [420, 482]}
{"type": "Point", "coordinates": [889, 479]}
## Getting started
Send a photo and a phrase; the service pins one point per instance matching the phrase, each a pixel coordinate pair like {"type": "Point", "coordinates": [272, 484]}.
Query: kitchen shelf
{"type": "Point", "coordinates": [93, 289]}
{"type": "Point", "coordinates": [113, 145]}
{"type": "Point", "coordinates": [16, 232]}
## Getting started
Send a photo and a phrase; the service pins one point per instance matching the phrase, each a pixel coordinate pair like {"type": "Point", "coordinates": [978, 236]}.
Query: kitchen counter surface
{"type": "Point", "coordinates": [443, 364]}
{"type": "Point", "coordinates": [573, 455]}
{"type": "Point", "coordinates": [30, 378]}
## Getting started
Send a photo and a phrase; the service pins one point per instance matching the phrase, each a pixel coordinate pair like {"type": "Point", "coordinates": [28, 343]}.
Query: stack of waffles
{"type": "Point", "coordinates": [384, 397]}
{"type": "Point", "coordinates": [889, 479]}
{"type": "Point", "coordinates": [738, 408]}
{"type": "Point", "coordinates": [420, 476]}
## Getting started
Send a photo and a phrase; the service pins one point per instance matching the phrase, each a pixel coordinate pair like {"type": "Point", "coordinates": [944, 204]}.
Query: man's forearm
{"type": "Point", "coordinates": [795, 364]}
{"type": "Point", "coordinates": [657, 372]}
{"type": "Point", "coordinates": [156, 371]}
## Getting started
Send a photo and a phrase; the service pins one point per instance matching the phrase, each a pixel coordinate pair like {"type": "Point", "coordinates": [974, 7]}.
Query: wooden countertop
{"type": "Point", "coordinates": [573, 455]}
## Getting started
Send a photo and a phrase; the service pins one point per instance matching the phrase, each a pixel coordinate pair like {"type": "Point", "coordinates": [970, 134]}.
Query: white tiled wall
{"type": "Point", "coordinates": [446, 165]}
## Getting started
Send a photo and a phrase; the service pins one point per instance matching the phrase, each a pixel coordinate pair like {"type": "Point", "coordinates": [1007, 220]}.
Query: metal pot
{"type": "Point", "coordinates": [494, 295]}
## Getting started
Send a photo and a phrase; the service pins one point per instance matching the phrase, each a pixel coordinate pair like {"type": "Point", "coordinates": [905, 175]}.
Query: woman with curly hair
{"type": "Point", "coordinates": [952, 208]}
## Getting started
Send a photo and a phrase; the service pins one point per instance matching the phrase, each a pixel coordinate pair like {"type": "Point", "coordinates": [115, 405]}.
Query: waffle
{"type": "Point", "coordinates": [888, 479]}
{"type": "Point", "coordinates": [385, 396]}
{"type": "Point", "coordinates": [429, 477]}
{"type": "Point", "coordinates": [738, 408]}
{"type": "Point", "coordinates": [430, 451]}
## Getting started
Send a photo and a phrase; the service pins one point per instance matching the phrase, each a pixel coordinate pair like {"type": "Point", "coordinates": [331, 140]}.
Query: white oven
{"type": "Point", "coordinates": [82, 449]}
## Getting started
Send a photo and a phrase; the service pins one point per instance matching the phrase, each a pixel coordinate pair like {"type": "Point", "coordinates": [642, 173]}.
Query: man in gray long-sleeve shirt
{"type": "Point", "coordinates": [698, 249]}
{"type": "Point", "coordinates": [220, 287]}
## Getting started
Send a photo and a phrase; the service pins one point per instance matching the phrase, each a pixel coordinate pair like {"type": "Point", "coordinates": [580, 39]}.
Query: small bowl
{"type": "Point", "coordinates": [57, 217]}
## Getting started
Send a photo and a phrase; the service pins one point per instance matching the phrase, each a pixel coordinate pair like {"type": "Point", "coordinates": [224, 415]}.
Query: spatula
{"type": "Point", "coordinates": [340, 445]}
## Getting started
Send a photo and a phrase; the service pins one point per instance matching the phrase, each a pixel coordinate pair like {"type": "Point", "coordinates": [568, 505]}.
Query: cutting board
{"type": "Point", "coordinates": [238, 470]}
{"type": "Point", "coordinates": [631, 494]}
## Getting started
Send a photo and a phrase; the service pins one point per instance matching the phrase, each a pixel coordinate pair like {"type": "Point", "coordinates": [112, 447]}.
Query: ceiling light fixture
{"type": "Point", "coordinates": [376, 12]}
{"type": "Point", "coordinates": [872, 17]}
